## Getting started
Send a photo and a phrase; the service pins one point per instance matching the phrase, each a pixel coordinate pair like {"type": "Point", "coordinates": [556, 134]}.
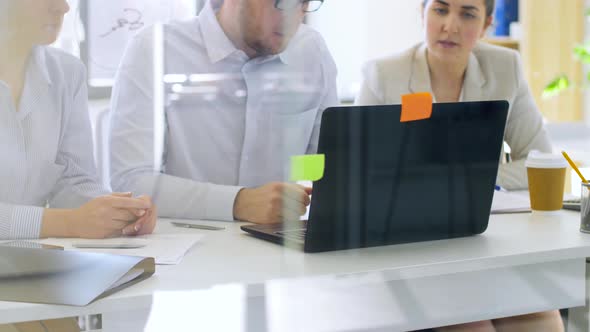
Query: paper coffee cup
{"type": "Point", "coordinates": [546, 175]}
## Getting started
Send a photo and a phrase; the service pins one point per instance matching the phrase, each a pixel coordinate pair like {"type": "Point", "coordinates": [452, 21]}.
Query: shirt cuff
{"type": "Point", "coordinates": [220, 202]}
{"type": "Point", "coordinates": [513, 176]}
{"type": "Point", "coordinates": [26, 222]}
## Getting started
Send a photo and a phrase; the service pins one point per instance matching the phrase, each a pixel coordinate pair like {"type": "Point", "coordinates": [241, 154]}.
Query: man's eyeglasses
{"type": "Point", "coordinates": [308, 6]}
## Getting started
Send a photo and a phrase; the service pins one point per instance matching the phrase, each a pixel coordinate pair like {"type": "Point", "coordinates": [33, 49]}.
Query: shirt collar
{"type": "Point", "coordinates": [218, 45]}
{"type": "Point", "coordinates": [289, 54]}
{"type": "Point", "coordinates": [216, 41]}
{"type": "Point", "coordinates": [39, 63]}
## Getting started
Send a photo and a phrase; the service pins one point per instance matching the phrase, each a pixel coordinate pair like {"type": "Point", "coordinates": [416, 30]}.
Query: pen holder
{"type": "Point", "coordinates": [585, 208]}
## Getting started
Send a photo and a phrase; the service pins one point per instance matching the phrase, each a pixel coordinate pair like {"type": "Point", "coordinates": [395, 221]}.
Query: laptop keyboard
{"type": "Point", "coordinates": [293, 234]}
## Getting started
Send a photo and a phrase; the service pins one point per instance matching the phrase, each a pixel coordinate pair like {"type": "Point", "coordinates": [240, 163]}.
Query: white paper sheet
{"type": "Point", "coordinates": [167, 249]}
{"type": "Point", "coordinates": [510, 202]}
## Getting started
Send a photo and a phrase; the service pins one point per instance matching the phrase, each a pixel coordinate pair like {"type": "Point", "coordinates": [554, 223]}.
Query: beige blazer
{"type": "Point", "coordinates": [493, 73]}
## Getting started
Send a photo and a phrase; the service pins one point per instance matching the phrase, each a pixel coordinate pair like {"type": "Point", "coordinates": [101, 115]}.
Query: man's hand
{"type": "Point", "coordinates": [272, 203]}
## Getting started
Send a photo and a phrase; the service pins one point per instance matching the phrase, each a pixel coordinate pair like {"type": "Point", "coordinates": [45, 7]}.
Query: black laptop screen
{"type": "Point", "coordinates": [389, 182]}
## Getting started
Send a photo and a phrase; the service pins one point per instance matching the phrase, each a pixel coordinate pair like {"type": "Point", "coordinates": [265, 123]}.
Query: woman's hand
{"type": "Point", "coordinates": [145, 224]}
{"type": "Point", "coordinates": [109, 216]}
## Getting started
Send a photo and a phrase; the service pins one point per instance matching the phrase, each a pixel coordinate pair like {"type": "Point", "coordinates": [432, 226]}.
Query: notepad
{"type": "Point", "coordinates": [510, 202]}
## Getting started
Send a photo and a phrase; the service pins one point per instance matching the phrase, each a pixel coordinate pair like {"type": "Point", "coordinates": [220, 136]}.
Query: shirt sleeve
{"type": "Point", "coordinates": [132, 145]}
{"type": "Point", "coordinates": [20, 222]}
{"type": "Point", "coordinates": [79, 182]}
{"type": "Point", "coordinates": [330, 88]}
{"type": "Point", "coordinates": [524, 132]}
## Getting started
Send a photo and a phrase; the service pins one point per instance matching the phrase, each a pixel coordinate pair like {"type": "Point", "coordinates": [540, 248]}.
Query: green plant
{"type": "Point", "coordinates": [562, 82]}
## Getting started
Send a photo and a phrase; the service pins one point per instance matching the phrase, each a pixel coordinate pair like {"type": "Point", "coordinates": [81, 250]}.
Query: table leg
{"type": "Point", "coordinates": [578, 317]}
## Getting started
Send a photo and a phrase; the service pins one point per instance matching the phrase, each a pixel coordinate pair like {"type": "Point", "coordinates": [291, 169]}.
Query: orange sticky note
{"type": "Point", "coordinates": [417, 106]}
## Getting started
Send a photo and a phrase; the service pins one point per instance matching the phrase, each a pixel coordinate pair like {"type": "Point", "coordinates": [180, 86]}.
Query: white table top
{"type": "Point", "coordinates": [234, 257]}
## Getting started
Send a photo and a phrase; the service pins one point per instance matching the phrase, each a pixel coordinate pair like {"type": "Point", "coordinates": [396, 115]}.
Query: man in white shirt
{"type": "Point", "coordinates": [245, 86]}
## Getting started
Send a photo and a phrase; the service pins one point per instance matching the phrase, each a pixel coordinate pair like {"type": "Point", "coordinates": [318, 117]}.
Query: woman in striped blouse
{"type": "Point", "coordinates": [48, 182]}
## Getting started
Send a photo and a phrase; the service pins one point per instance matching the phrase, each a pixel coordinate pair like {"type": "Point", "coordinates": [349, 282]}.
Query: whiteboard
{"type": "Point", "coordinates": [109, 25]}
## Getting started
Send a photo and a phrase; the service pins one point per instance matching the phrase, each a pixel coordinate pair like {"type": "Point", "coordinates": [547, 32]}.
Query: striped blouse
{"type": "Point", "coordinates": [46, 144]}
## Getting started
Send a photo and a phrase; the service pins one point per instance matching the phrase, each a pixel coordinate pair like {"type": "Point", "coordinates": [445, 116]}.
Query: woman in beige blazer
{"type": "Point", "coordinates": [454, 66]}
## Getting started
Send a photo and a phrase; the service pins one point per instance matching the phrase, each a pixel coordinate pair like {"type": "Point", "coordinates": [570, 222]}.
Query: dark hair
{"type": "Point", "coordinates": [490, 5]}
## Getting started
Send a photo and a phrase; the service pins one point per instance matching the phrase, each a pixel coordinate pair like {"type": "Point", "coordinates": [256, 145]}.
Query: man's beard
{"type": "Point", "coordinates": [263, 50]}
{"type": "Point", "coordinates": [254, 42]}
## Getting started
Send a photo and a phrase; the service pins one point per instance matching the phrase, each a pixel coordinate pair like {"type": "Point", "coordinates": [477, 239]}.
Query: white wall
{"type": "Point", "coordinates": [72, 31]}
{"type": "Point", "coordinates": [357, 31]}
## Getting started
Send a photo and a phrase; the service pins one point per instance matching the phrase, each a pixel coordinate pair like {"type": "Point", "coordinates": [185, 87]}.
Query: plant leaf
{"type": "Point", "coordinates": [582, 52]}
{"type": "Point", "coordinates": [556, 86]}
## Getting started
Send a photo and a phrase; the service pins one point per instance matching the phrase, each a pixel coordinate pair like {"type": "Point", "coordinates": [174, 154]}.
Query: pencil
{"type": "Point", "coordinates": [574, 166]}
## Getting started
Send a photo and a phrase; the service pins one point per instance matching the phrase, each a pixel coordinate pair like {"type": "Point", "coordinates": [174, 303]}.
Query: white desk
{"type": "Point", "coordinates": [523, 263]}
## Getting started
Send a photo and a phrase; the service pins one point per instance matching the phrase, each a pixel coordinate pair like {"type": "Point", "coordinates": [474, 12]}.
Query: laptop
{"type": "Point", "coordinates": [388, 182]}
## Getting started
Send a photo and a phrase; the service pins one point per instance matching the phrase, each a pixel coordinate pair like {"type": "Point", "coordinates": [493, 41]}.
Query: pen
{"type": "Point", "coordinates": [205, 227]}
{"type": "Point", "coordinates": [498, 188]}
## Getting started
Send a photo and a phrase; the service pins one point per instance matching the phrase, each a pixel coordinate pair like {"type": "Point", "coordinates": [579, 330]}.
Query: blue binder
{"type": "Point", "coordinates": [506, 13]}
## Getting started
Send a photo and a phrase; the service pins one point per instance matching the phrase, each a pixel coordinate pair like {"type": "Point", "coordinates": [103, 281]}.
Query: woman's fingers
{"type": "Point", "coordinates": [128, 215]}
{"type": "Point", "coordinates": [134, 228]}
{"type": "Point", "coordinates": [127, 194]}
{"type": "Point", "coordinates": [150, 224]}
{"type": "Point", "coordinates": [117, 225]}
{"type": "Point", "coordinates": [124, 215]}
{"type": "Point", "coordinates": [129, 203]}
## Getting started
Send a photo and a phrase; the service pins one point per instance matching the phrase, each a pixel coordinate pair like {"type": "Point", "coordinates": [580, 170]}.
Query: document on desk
{"type": "Point", "coordinates": [167, 249]}
{"type": "Point", "coordinates": [67, 277]}
{"type": "Point", "coordinates": [510, 202]}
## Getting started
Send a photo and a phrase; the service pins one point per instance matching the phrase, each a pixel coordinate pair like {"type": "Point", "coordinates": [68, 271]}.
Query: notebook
{"type": "Point", "coordinates": [510, 202]}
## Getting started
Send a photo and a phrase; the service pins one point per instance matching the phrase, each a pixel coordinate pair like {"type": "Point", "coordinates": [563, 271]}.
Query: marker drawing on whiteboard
{"type": "Point", "coordinates": [133, 20]}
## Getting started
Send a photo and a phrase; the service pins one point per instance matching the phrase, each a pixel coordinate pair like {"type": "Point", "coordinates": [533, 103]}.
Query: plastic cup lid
{"type": "Point", "coordinates": [537, 159]}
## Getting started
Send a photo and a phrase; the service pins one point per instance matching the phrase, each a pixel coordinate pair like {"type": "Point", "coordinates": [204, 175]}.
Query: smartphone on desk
{"type": "Point", "coordinates": [119, 243]}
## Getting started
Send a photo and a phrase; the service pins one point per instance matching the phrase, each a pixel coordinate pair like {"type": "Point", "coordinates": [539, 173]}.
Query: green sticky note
{"type": "Point", "coordinates": [308, 167]}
